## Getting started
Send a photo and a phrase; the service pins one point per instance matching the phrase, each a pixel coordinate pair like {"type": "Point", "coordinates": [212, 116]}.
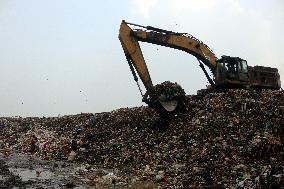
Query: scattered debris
{"type": "Point", "coordinates": [229, 140]}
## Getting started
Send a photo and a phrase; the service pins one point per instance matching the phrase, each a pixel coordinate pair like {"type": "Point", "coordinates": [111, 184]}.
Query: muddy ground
{"type": "Point", "coordinates": [19, 171]}
{"type": "Point", "coordinates": [24, 171]}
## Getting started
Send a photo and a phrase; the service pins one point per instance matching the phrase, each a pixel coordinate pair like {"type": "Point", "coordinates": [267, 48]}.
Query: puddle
{"type": "Point", "coordinates": [28, 174]}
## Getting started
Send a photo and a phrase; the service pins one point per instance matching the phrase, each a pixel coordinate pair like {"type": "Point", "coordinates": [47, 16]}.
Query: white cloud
{"type": "Point", "coordinates": [236, 4]}
{"type": "Point", "coordinates": [192, 5]}
{"type": "Point", "coordinates": [146, 7]}
{"type": "Point", "coordinates": [143, 7]}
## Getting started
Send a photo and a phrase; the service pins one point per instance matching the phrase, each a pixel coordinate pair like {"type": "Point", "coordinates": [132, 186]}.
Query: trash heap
{"type": "Point", "coordinates": [169, 91]}
{"type": "Point", "coordinates": [232, 139]}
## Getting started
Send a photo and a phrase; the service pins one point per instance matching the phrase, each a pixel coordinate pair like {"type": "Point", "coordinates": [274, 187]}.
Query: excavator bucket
{"type": "Point", "coordinates": [169, 105]}
{"type": "Point", "coordinates": [167, 97]}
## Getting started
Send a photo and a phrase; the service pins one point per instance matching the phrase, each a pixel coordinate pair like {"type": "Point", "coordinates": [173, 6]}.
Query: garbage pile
{"type": "Point", "coordinates": [168, 90]}
{"type": "Point", "coordinates": [232, 139]}
{"type": "Point", "coordinates": [166, 99]}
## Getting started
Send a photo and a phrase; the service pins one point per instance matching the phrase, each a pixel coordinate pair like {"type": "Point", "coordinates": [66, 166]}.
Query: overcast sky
{"type": "Point", "coordinates": [64, 57]}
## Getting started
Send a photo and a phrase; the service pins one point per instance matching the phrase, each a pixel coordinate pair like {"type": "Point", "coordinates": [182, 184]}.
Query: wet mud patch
{"type": "Point", "coordinates": [8, 179]}
{"type": "Point", "coordinates": [24, 171]}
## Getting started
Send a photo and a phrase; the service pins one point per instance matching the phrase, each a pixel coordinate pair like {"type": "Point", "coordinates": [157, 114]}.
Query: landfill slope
{"type": "Point", "coordinates": [230, 139]}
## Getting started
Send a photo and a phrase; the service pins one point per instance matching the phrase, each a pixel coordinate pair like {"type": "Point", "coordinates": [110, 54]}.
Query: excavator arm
{"type": "Point", "coordinates": [129, 39]}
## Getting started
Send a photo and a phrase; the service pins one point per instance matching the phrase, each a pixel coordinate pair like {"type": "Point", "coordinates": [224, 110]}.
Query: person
{"type": "Point", "coordinates": [74, 149]}
{"type": "Point", "coordinates": [33, 144]}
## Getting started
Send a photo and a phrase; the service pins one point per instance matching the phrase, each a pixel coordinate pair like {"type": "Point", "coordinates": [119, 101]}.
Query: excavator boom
{"type": "Point", "coordinates": [134, 55]}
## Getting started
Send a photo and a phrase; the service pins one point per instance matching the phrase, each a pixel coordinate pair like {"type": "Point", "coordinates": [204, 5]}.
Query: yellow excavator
{"type": "Point", "coordinates": [228, 72]}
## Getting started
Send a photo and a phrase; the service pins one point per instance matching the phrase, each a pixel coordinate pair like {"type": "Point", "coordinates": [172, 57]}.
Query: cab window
{"type": "Point", "coordinates": [231, 67]}
{"type": "Point", "coordinates": [244, 66]}
{"type": "Point", "coordinates": [240, 68]}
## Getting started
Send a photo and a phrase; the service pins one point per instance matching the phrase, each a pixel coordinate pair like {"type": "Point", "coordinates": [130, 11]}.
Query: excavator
{"type": "Point", "coordinates": [228, 72]}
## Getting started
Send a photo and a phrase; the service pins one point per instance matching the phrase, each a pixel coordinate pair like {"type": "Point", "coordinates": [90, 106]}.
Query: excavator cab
{"type": "Point", "coordinates": [231, 71]}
